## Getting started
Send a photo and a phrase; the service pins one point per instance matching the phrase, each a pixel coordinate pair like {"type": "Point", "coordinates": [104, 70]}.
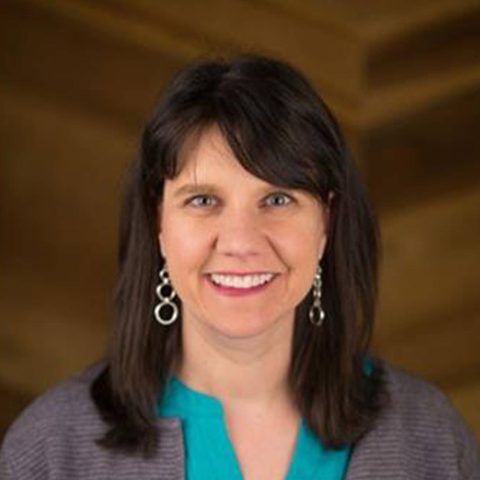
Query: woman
{"type": "Point", "coordinates": [248, 255]}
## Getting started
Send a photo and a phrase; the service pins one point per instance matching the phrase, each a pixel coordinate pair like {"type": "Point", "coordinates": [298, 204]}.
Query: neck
{"type": "Point", "coordinates": [243, 373]}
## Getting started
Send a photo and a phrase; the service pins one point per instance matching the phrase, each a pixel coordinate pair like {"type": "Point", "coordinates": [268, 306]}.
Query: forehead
{"type": "Point", "coordinates": [207, 154]}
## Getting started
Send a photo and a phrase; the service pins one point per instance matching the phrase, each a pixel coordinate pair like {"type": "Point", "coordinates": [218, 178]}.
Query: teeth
{"type": "Point", "coordinates": [244, 281]}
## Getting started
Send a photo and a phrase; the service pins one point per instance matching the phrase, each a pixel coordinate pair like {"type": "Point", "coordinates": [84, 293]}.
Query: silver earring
{"type": "Point", "coordinates": [316, 313]}
{"type": "Point", "coordinates": [165, 299]}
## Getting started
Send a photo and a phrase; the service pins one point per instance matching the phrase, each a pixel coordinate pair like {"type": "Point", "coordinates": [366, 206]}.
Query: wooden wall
{"type": "Point", "coordinates": [78, 79]}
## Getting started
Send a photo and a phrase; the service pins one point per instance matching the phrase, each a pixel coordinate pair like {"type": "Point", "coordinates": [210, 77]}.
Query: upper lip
{"type": "Point", "coordinates": [263, 272]}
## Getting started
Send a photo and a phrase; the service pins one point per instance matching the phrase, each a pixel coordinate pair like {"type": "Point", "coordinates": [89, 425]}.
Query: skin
{"type": "Point", "coordinates": [240, 224]}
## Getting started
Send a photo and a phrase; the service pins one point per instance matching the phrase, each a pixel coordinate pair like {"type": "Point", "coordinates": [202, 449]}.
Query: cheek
{"type": "Point", "coordinates": [183, 244]}
{"type": "Point", "coordinates": [303, 241]}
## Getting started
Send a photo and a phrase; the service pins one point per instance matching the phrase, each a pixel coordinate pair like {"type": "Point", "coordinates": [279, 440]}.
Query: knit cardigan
{"type": "Point", "coordinates": [419, 435]}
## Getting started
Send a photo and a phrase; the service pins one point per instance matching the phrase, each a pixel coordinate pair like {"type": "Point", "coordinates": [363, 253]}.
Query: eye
{"type": "Point", "coordinates": [279, 199]}
{"type": "Point", "coordinates": [200, 201]}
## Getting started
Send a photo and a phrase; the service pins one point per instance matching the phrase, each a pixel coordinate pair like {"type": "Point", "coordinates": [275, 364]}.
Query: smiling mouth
{"type": "Point", "coordinates": [240, 284]}
{"type": "Point", "coordinates": [241, 281]}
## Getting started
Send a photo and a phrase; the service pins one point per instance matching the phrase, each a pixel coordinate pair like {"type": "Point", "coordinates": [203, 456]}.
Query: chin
{"type": "Point", "coordinates": [242, 330]}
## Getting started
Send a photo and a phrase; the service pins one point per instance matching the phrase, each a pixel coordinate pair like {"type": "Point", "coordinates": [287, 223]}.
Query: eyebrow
{"type": "Point", "coordinates": [190, 189]}
{"type": "Point", "coordinates": [194, 188]}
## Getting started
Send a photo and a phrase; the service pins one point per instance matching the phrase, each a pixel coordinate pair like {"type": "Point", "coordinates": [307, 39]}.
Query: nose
{"type": "Point", "coordinates": [240, 234]}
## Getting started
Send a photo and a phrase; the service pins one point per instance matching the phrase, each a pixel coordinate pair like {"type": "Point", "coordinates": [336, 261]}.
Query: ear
{"type": "Point", "coordinates": [159, 232]}
{"type": "Point", "coordinates": [160, 245]}
{"type": "Point", "coordinates": [322, 246]}
{"type": "Point", "coordinates": [326, 223]}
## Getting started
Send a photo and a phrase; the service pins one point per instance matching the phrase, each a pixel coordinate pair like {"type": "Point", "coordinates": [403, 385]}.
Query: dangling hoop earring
{"type": "Point", "coordinates": [165, 300]}
{"type": "Point", "coordinates": [316, 313]}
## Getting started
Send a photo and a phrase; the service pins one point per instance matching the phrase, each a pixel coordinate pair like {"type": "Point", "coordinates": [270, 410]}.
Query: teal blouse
{"type": "Point", "coordinates": [210, 454]}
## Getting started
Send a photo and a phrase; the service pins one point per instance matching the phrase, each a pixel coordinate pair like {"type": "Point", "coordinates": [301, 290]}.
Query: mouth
{"type": "Point", "coordinates": [240, 285]}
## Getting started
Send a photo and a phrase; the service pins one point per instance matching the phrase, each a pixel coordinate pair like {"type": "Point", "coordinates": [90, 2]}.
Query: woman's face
{"type": "Point", "coordinates": [217, 222]}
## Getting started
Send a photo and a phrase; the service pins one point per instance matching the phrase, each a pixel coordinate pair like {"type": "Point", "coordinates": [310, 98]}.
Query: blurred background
{"type": "Point", "coordinates": [78, 79]}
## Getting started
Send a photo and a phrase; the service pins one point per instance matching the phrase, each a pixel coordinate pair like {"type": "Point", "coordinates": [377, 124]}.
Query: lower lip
{"type": "Point", "coordinates": [239, 292]}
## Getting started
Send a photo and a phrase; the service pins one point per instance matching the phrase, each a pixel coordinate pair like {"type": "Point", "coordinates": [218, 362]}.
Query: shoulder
{"type": "Point", "coordinates": [419, 432]}
{"type": "Point", "coordinates": [411, 395]}
{"type": "Point", "coordinates": [423, 406]}
{"type": "Point", "coordinates": [61, 406]}
{"type": "Point", "coordinates": [63, 412]}
{"type": "Point", "coordinates": [55, 437]}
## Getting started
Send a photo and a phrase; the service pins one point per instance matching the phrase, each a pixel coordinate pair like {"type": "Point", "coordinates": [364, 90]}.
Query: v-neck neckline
{"type": "Point", "coordinates": [204, 421]}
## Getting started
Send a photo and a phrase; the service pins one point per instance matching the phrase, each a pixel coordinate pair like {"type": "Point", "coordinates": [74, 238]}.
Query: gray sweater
{"type": "Point", "coordinates": [419, 436]}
